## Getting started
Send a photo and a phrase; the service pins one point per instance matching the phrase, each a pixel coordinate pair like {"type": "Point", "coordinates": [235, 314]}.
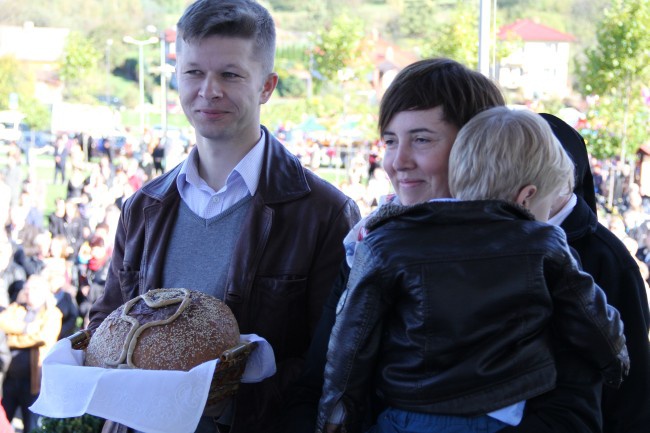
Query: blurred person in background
{"type": "Point", "coordinates": [32, 324]}
{"type": "Point", "coordinates": [92, 274]}
{"type": "Point", "coordinates": [158, 155]}
{"type": "Point", "coordinates": [13, 175]}
{"type": "Point", "coordinates": [5, 360]}
{"type": "Point", "coordinates": [67, 221]}
{"type": "Point", "coordinates": [65, 301]}
{"type": "Point", "coordinates": [12, 275]}
{"type": "Point", "coordinates": [60, 158]}
{"type": "Point", "coordinates": [31, 248]}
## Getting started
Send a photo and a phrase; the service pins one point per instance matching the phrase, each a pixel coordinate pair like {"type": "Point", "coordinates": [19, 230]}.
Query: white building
{"type": "Point", "coordinates": [40, 49]}
{"type": "Point", "coordinates": [538, 67]}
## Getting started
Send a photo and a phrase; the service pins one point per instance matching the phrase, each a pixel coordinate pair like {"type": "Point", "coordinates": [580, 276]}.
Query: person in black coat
{"type": "Point", "coordinates": [60, 157]}
{"type": "Point", "coordinates": [64, 302]}
{"type": "Point", "coordinates": [593, 407]}
{"type": "Point", "coordinates": [607, 259]}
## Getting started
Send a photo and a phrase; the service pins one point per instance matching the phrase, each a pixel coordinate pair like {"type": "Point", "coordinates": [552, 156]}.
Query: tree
{"type": "Point", "coordinates": [415, 19]}
{"type": "Point", "coordinates": [457, 37]}
{"type": "Point", "coordinates": [338, 45]}
{"type": "Point", "coordinates": [14, 78]}
{"type": "Point", "coordinates": [17, 78]}
{"type": "Point", "coordinates": [614, 72]}
{"type": "Point", "coordinates": [80, 60]}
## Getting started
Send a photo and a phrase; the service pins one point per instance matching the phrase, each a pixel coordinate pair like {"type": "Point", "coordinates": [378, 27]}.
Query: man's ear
{"type": "Point", "coordinates": [525, 195]}
{"type": "Point", "coordinates": [268, 87]}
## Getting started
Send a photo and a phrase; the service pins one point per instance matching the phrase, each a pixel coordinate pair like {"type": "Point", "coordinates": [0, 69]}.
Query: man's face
{"type": "Point", "coordinates": [418, 144]}
{"type": "Point", "coordinates": [221, 86]}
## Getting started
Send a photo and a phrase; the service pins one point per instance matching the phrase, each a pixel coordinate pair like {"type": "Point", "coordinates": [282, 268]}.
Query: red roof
{"type": "Point", "coordinates": [529, 30]}
{"type": "Point", "coordinates": [384, 52]}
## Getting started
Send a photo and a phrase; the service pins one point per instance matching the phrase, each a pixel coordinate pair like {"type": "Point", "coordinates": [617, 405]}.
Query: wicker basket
{"type": "Point", "coordinates": [227, 374]}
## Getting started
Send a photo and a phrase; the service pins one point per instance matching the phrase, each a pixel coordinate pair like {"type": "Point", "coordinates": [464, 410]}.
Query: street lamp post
{"type": "Point", "coordinates": [109, 42]}
{"type": "Point", "coordinates": [164, 70]}
{"type": "Point", "coordinates": [141, 44]}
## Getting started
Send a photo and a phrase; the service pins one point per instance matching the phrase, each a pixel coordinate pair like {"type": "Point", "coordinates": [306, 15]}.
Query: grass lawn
{"type": "Point", "coordinates": [41, 168]}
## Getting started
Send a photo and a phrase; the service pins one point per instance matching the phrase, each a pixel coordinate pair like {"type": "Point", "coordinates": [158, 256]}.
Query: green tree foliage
{"type": "Point", "coordinates": [82, 424]}
{"type": "Point", "coordinates": [416, 16]}
{"type": "Point", "coordinates": [285, 5]}
{"type": "Point", "coordinates": [13, 79]}
{"type": "Point", "coordinates": [338, 45]}
{"type": "Point", "coordinates": [457, 37]}
{"type": "Point", "coordinates": [79, 57]}
{"type": "Point", "coordinates": [615, 70]}
{"type": "Point", "coordinates": [80, 60]}
{"type": "Point", "coordinates": [16, 78]}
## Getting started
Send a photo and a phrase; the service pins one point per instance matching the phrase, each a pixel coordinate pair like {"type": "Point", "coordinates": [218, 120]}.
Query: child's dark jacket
{"type": "Point", "coordinates": [449, 309]}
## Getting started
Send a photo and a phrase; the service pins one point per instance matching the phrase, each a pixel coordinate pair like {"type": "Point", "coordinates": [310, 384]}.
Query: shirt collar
{"type": "Point", "coordinates": [559, 217]}
{"type": "Point", "coordinates": [248, 169]}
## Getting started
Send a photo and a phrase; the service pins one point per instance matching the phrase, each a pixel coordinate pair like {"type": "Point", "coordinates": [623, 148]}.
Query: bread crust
{"type": "Point", "coordinates": [164, 329]}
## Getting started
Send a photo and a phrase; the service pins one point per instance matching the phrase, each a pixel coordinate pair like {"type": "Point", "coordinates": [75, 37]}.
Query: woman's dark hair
{"type": "Point", "coordinates": [439, 82]}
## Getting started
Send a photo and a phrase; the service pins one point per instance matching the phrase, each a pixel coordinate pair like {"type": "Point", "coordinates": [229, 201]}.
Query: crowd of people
{"type": "Point", "coordinates": [347, 302]}
{"type": "Point", "coordinates": [64, 255]}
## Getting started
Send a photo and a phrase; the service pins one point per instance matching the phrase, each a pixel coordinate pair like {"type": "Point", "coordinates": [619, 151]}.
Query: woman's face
{"type": "Point", "coordinates": [418, 144]}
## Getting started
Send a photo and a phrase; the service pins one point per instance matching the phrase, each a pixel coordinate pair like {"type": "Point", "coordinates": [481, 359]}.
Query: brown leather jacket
{"type": "Point", "coordinates": [282, 269]}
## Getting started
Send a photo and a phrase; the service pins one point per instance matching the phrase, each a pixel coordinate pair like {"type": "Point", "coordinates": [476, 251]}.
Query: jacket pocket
{"type": "Point", "coordinates": [279, 311]}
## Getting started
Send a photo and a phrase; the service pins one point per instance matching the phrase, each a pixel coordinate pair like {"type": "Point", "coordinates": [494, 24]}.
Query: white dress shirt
{"type": "Point", "coordinates": [242, 181]}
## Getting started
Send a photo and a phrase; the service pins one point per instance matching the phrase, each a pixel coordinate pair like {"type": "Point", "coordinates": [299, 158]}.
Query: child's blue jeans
{"type": "Point", "coordinates": [400, 421]}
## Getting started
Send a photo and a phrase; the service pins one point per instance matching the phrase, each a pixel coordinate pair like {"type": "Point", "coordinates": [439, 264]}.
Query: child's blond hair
{"type": "Point", "coordinates": [499, 151]}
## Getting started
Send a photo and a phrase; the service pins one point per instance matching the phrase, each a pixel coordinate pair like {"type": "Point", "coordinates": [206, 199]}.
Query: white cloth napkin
{"type": "Point", "coordinates": [151, 401]}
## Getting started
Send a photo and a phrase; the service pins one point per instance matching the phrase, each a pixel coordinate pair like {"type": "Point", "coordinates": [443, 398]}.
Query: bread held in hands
{"type": "Point", "coordinates": [164, 329]}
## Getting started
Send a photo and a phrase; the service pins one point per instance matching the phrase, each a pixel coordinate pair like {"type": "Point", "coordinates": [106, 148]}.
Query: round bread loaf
{"type": "Point", "coordinates": [164, 329]}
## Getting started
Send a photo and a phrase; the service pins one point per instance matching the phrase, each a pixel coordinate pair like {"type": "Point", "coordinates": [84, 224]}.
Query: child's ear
{"type": "Point", "coordinates": [525, 195]}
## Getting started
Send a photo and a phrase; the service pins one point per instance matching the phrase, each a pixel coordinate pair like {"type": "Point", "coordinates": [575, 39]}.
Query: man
{"type": "Point", "coordinates": [239, 218]}
{"type": "Point", "coordinates": [60, 157]}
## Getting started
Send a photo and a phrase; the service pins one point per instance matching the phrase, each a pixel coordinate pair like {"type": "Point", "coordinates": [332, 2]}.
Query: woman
{"type": "Point", "coordinates": [425, 106]}
{"type": "Point", "coordinates": [32, 325]}
{"type": "Point", "coordinates": [457, 298]}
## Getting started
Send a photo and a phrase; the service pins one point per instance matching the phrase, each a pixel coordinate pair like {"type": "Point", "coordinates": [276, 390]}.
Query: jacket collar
{"type": "Point", "coordinates": [444, 211]}
{"type": "Point", "coordinates": [282, 177]}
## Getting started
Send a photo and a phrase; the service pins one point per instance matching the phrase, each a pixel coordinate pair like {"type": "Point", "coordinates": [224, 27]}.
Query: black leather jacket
{"type": "Point", "coordinates": [449, 308]}
{"type": "Point", "coordinates": [281, 272]}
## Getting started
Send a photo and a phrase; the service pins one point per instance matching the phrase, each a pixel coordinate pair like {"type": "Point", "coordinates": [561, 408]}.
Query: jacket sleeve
{"type": "Point", "coordinates": [585, 320]}
{"type": "Point", "coordinates": [331, 254]}
{"type": "Point", "coordinates": [355, 341]}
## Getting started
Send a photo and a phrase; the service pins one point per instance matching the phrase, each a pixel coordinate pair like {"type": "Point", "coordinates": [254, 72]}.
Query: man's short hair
{"type": "Point", "coordinates": [245, 19]}
{"type": "Point", "coordinates": [499, 151]}
{"type": "Point", "coordinates": [439, 82]}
